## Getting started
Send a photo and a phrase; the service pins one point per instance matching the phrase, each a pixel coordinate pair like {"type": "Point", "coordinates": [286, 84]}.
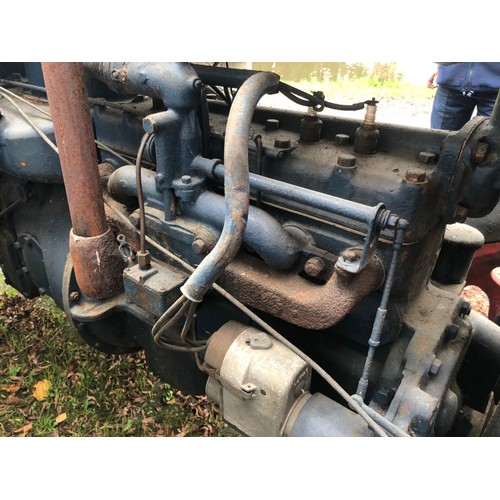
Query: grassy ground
{"type": "Point", "coordinates": [349, 89]}
{"type": "Point", "coordinates": [53, 384]}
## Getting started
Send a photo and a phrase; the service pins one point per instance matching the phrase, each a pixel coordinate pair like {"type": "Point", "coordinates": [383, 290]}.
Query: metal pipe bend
{"type": "Point", "coordinates": [236, 185]}
{"type": "Point", "coordinates": [263, 233]}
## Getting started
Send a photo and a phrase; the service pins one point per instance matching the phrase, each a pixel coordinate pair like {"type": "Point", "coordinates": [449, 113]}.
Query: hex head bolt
{"type": "Point", "coordinates": [451, 332]}
{"type": "Point", "coordinates": [314, 267]}
{"type": "Point", "coordinates": [427, 157]}
{"type": "Point", "coordinates": [272, 124]}
{"type": "Point", "coordinates": [346, 160]}
{"type": "Point", "coordinates": [465, 309]}
{"type": "Point", "coordinates": [384, 396]}
{"type": "Point", "coordinates": [341, 139]}
{"type": "Point", "coordinates": [350, 256]}
{"type": "Point", "coordinates": [282, 143]}
{"type": "Point", "coordinates": [199, 246]}
{"type": "Point", "coordinates": [415, 176]}
{"type": "Point", "coordinates": [435, 367]}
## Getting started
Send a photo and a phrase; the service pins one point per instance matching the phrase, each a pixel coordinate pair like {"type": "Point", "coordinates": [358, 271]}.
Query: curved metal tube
{"type": "Point", "coordinates": [485, 335]}
{"type": "Point", "coordinates": [227, 77]}
{"type": "Point", "coordinates": [122, 185]}
{"type": "Point", "coordinates": [236, 185]}
{"type": "Point", "coordinates": [263, 232]}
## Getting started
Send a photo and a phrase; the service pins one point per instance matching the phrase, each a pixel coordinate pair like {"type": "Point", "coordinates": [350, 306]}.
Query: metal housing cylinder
{"type": "Point", "coordinates": [459, 244]}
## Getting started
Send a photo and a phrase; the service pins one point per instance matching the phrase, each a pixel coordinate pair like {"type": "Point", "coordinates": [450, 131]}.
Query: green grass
{"type": "Point", "coordinates": [349, 81]}
{"type": "Point", "coordinates": [91, 393]}
{"type": "Point", "coordinates": [350, 89]}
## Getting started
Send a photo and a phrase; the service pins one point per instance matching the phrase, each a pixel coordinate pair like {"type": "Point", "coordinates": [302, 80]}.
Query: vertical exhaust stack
{"type": "Point", "coordinates": [97, 264]}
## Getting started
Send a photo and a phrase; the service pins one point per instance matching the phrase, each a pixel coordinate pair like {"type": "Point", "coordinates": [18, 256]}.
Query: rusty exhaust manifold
{"type": "Point", "coordinates": [296, 300]}
{"type": "Point", "coordinates": [97, 264]}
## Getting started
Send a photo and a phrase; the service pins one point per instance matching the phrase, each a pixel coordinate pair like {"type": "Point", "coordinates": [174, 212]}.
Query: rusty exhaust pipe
{"type": "Point", "coordinates": [97, 264]}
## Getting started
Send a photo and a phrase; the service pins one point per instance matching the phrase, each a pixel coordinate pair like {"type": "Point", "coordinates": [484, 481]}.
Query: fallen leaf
{"type": "Point", "coordinates": [146, 422]}
{"type": "Point", "coordinates": [61, 418]}
{"type": "Point", "coordinates": [10, 388]}
{"type": "Point", "coordinates": [42, 389]}
{"type": "Point", "coordinates": [24, 429]}
{"type": "Point", "coordinates": [14, 400]}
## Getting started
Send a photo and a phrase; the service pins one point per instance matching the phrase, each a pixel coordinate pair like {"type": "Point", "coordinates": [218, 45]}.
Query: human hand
{"type": "Point", "coordinates": [431, 80]}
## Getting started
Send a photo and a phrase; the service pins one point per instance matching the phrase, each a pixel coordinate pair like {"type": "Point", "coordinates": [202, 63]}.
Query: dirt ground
{"type": "Point", "coordinates": [411, 113]}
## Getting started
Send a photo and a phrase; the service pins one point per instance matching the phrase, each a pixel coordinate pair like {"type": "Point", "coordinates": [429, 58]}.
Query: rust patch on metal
{"type": "Point", "coordinates": [97, 264]}
{"type": "Point", "coordinates": [296, 300]}
{"type": "Point", "coordinates": [70, 111]}
{"type": "Point", "coordinates": [479, 152]}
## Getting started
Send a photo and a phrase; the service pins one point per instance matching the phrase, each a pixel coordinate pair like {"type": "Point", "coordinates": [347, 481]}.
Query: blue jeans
{"type": "Point", "coordinates": [451, 109]}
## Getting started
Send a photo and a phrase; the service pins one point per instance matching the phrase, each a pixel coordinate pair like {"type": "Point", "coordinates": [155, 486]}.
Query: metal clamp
{"type": "Point", "coordinates": [354, 260]}
{"type": "Point", "coordinates": [125, 250]}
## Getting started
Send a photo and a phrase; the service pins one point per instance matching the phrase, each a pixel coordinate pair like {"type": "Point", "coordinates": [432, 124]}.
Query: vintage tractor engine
{"type": "Point", "coordinates": [303, 270]}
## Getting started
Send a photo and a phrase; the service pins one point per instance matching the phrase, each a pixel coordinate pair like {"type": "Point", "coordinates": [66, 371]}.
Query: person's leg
{"type": "Point", "coordinates": [485, 101]}
{"type": "Point", "coordinates": [451, 110]}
